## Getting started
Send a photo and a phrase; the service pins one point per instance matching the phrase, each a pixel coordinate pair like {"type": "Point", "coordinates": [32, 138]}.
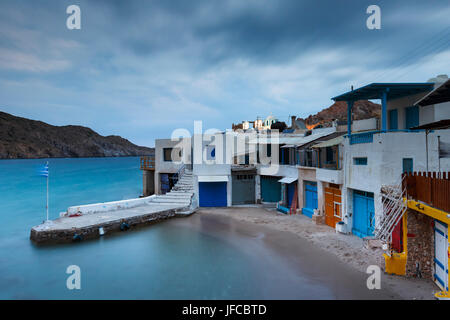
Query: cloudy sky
{"type": "Point", "coordinates": [140, 69]}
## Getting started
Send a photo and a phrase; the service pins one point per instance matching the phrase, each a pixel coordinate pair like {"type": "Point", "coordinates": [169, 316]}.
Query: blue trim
{"type": "Point", "coordinates": [375, 91]}
{"type": "Point", "coordinates": [282, 209]}
{"type": "Point", "coordinates": [439, 264]}
{"type": "Point", "coordinates": [439, 231]}
{"type": "Point", "coordinates": [383, 110]}
{"type": "Point", "coordinates": [308, 212]}
{"type": "Point", "coordinates": [439, 280]}
{"type": "Point", "coordinates": [441, 223]}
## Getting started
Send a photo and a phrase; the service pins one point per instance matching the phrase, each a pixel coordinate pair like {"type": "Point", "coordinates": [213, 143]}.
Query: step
{"type": "Point", "coordinates": [184, 198]}
{"type": "Point", "coordinates": [174, 201]}
{"type": "Point", "coordinates": [179, 192]}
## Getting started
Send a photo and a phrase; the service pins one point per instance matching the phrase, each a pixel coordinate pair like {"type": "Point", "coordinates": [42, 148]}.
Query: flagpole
{"type": "Point", "coordinates": [47, 190]}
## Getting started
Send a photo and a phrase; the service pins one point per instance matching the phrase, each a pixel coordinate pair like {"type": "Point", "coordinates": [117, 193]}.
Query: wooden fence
{"type": "Point", "coordinates": [432, 188]}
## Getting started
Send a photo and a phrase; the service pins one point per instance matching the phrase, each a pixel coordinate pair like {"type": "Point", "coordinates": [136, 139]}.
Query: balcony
{"type": "Point", "coordinates": [368, 137]}
{"type": "Point", "coordinates": [430, 188]}
{"type": "Point", "coordinates": [330, 175]}
{"type": "Point", "coordinates": [148, 163]}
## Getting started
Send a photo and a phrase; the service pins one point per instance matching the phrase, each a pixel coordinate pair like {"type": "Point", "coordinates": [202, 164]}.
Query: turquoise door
{"type": "Point", "coordinates": [393, 119]}
{"type": "Point", "coordinates": [270, 189]}
{"type": "Point", "coordinates": [411, 117]}
{"type": "Point", "coordinates": [363, 213]}
{"type": "Point", "coordinates": [311, 201]}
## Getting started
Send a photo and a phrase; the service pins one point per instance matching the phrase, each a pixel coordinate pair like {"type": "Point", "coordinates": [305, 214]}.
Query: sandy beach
{"type": "Point", "coordinates": [287, 233]}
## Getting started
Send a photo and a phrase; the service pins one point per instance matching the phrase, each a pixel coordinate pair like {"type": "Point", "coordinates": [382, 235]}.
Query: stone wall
{"type": "Point", "coordinates": [420, 245]}
{"type": "Point", "coordinates": [92, 231]}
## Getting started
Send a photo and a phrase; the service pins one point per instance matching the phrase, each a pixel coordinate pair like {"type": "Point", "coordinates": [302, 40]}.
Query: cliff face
{"type": "Point", "coordinates": [24, 138]}
{"type": "Point", "coordinates": [362, 109]}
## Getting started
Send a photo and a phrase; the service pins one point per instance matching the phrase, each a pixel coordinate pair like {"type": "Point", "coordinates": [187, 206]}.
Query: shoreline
{"type": "Point", "coordinates": [349, 249]}
{"type": "Point", "coordinates": [93, 157]}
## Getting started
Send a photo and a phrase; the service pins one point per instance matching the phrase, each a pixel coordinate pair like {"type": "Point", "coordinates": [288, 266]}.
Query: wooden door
{"type": "Point", "coordinates": [333, 212]}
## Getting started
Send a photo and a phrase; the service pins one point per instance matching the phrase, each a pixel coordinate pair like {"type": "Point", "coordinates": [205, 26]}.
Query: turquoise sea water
{"type": "Point", "coordinates": [187, 258]}
{"type": "Point", "coordinates": [162, 261]}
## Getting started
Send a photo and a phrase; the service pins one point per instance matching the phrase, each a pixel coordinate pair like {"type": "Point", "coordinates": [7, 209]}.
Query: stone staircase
{"type": "Point", "coordinates": [182, 193]}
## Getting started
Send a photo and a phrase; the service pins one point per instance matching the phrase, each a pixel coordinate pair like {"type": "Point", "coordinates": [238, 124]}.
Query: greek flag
{"type": "Point", "coordinates": [44, 171]}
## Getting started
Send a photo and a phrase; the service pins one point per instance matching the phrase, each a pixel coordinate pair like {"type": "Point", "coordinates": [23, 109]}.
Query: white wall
{"type": "Point", "coordinates": [442, 111]}
{"type": "Point", "coordinates": [162, 166]}
{"type": "Point", "coordinates": [365, 125]}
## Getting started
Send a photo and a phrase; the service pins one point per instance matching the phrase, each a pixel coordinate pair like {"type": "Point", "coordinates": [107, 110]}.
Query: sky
{"type": "Point", "coordinates": [141, 69]}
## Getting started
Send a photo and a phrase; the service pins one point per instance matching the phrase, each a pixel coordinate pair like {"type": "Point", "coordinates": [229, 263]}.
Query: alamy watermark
{"type": "Point", "coordinates": [374, 280]}
{"type": "Point", "coordinates": [74, 280]}
{"type": "Point", "coordinates": [74, 20]}
{"type": "Point", "coordinates": [374, 20]}
{"type": "Point", "coordinates": [215, 147]}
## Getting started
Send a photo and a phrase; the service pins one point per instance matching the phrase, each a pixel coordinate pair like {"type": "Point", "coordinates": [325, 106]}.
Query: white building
{"type": "Point", "coordinates": [376, 158]}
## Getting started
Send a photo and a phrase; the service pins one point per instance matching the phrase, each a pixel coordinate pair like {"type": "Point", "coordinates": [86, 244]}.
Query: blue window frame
{"type": "Point", "coordinates": [393, 119]}
{"type": "Point", "coordinates": [361, 161]}
{"type": "Point", "coordinates": [411, 117]}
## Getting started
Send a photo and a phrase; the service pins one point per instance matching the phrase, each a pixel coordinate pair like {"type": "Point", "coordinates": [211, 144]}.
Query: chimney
{"type": "Point", "coordinates": [293, 121]}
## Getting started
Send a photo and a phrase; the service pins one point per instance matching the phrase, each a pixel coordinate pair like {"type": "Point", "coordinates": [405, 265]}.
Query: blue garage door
{"type": "Point", "coordinates": [212, 194]}
{"type": "Point", "coordinates": [363, 213]}
{"type": "Point", "coordinates": [310, 198]}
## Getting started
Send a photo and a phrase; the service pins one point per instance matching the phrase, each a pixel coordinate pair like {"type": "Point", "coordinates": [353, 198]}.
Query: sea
{"type": "Point", "coordinates": [181, 258]}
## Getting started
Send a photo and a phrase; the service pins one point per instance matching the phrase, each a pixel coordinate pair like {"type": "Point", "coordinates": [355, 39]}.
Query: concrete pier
{"type": "Point", "coordinates": [86, 220]}
{"type": "Point", "coordinates": [87, 226]}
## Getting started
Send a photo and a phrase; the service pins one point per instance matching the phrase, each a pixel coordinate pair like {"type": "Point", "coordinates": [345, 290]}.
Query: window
{"type": "Point", "coordinates": [360, 161]}
{"type": "Point", "coordinates": [407, 165]}
{"type": "Point", "coordinates": [393, 119]}
{"type": "Point", "coordinates": [329, 154]}
{"type": "Point", "coordinates": [244, 177]}
{"type": "Point", "coordinates": [172, 154]}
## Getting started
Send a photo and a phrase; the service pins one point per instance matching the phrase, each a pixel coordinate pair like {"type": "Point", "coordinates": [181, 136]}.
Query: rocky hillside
{"type": "Point", "coordinates": [362, 109]}
{"type": "Point", "coordinates": [24, 138]}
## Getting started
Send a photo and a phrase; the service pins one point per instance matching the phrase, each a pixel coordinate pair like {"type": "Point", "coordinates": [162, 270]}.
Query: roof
{"type": "Point", "coordinates": [375, 91]}
{"type": "Point", "coordinates": [439, 95]}
{"type": "Point", "coordinates": [329, 143]}
{"type": "Point", "coordinates": [288, 179]}
{"type": "Point", "coordinates": [442, 124]}
{"type": "Point", "coordinates": [295, 140]}
{"type": "Point", "coordinates": [323, 139]}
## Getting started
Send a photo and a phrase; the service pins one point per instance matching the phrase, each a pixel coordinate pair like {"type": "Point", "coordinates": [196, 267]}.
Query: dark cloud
{"type": "Point", "coordinates": [221, 61]}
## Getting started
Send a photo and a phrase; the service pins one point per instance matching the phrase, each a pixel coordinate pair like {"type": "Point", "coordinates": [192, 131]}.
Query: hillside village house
{"type": "Point", "coordinates": [378, 158]}
{"type": "Point", "coordinates": [338, 177]}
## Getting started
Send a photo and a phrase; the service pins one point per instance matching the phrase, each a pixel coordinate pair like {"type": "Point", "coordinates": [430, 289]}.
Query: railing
{"type": "Point", "coordinates": [180, 173]}
{"type": "Point", "coordinates": [432, 188]}
{"type": "Point", "coordinates": [393, 210]}
{"type": "Point", "coordinates": [366, 137]}
{"type": "Point", "coordinates": [148, 163]}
